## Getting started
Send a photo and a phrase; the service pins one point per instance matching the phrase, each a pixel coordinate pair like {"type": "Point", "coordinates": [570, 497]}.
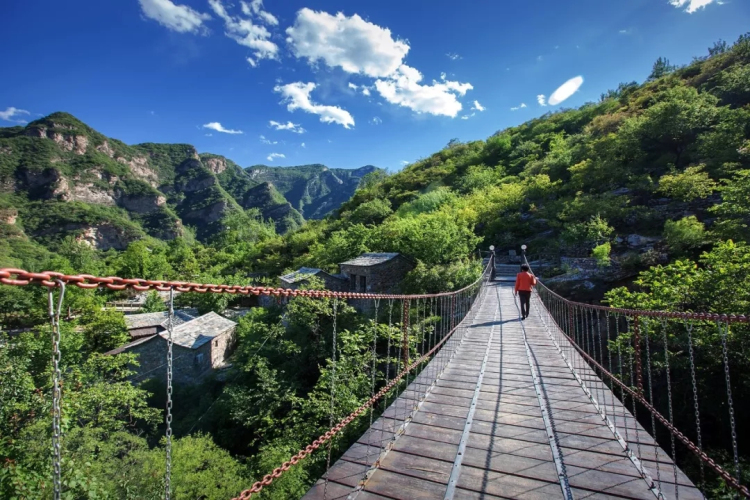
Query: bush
{"type": "Point", "coordinates": [687, 186]}
{"type": "Point", "coordinates": [685, 234]}
{"type": "Point", "coordinates": [601, 254]}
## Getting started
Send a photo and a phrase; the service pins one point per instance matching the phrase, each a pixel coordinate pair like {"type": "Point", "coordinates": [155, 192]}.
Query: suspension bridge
{"type": "Point", "coordinates": [468, 401]}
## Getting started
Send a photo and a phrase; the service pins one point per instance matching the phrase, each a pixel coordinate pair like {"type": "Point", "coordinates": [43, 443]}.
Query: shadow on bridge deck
{"type": "Point", "coordinates": [506, 418]}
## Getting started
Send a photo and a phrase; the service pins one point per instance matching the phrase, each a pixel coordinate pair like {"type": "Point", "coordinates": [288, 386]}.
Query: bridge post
{"type": "Point", "coordinates": [637, 340]}
{"type": "Point", "coordinates": [405, 328]}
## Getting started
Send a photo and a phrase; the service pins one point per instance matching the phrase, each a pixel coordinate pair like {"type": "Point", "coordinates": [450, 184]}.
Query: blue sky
{"type": "Point", "coordinates": [202, 71]}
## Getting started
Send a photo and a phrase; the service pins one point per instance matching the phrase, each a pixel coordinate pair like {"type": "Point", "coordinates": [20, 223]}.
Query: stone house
{"type": "Point", "coordinates": [200, 346]}
{"type": "Point", "coordinates": [376, 272]}
{"type": "Point", "coordinates": [302, 275]}
{"type": "Point", "coordinates": [147, 324]}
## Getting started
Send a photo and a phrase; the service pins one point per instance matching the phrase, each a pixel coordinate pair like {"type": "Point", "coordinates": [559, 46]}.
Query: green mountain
{"type": "Point", "coordinates": [314, 190]}
{"type": "Point", "coordinates": [649, 173]}
{"type": "Point", "coordinates": [60, 177]}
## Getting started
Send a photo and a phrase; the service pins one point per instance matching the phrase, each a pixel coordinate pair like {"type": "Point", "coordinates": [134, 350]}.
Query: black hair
{"type": "Point", "coordinates": [524, 267]}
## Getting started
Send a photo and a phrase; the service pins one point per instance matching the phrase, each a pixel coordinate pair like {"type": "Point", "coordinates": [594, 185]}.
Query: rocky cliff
{"type": "Point", "coordinates": [60, 177]}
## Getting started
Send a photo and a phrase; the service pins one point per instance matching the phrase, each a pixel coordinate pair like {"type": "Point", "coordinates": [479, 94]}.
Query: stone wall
{"type": "Point", "coordinates": [221, 347]}
{"type": "Point", "coordinates": [186, 367]}
{"type": "Point", "coordinates": [380, 278]}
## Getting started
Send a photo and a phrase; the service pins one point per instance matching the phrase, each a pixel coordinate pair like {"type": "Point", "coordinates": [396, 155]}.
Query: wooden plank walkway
{"type": "Point", "coordinates": [481, 433]}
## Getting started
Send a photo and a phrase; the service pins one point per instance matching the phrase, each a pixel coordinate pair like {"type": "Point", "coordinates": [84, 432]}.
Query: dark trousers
{"type": "Point", "coordinates": [525, 302]}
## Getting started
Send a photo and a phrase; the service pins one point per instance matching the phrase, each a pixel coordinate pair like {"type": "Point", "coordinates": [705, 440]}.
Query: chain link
{"type": "Point", "coordinates": [669, 402]}
{"type": "Point", "coordinates": [333, 393]}
{"type": "Point", "coordinates": [689, 327]}
{"type": "Point", "coordinates": [170, 331]}
{"type": "Point", "coordinates": [54, 316]}
{"type": "Point", "coordinates": [730, 402]}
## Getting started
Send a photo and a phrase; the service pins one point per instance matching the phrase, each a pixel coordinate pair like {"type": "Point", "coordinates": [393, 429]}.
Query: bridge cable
{"type": "Point", "coordinates": [170, 342]}
{"type": "Point", "coordinates": [689, 328]}
{"type": "Point", "coordinates": [669, 402]}
{"type": "Point", "coordinates": [333, 394]}
{"type": "Point", "coordinates": [54, 316]}
{"type": "Point", "coordinates": [651, 399]}
{"type": "Point", "coordinates": [372, 369]}
{"type": "Point", "coordinates": [723, 333]}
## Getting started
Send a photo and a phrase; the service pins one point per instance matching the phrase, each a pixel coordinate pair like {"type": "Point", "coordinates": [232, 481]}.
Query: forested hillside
{"type": "Point", "coordinates": [651, 172]}
{"type": "Point", "coordinates": [59, 177]}
{"type": "Point", "coordinates": [654, 178]}
{"type": "Point", "coordinates": [314, 190]}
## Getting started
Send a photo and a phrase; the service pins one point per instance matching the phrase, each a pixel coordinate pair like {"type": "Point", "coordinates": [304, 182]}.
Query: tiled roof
{"type": "Point", "coordinates": [300, 274]}
{"type": "Point", "coordinates": [197, 332]}
{"type": "Point", "coordinates": [133, 321]}
{"type": "Point", "coordinates": [127, 346]}
{"type": "Point", "coordinates": [370, 259]}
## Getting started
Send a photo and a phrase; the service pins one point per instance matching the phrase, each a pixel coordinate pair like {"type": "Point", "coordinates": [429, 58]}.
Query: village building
{"type": "Point", "coordinates": [147, 324]}
{"type": "Point", "coordinates": [376, 272]}
{"type": "Point", "coordinates": [302, 276]}
{"type": "Point", "coordinates": [200, 346]}
{"type": "Point", "coordinates": [368, 273]}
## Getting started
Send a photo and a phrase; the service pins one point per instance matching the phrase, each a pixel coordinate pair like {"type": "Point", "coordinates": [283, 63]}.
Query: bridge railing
{"type": "Point", "coordinates": [413, 338]}
{"type": "Point", "coordinates": [682, 375]}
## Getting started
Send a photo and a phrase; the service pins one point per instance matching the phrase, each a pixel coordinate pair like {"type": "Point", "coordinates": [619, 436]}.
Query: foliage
{"type": "Point", "coordinates": [601, 254]}
{"type": "Point", "coordinates": [686, 186]}
{"type": "Point", "coordinates": [153, 303]}
{"type": "Point", "coordinates": [685, 234]}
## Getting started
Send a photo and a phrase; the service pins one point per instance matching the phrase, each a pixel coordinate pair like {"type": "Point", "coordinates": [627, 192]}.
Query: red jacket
{"type": "Point", "coordinates": [525, 281]}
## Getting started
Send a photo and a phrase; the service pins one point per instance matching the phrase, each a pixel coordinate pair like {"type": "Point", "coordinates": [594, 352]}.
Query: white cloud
{"type": "Point", "coordinates": [404, 89]}
{"type": "Point", "coordinates": [209, 135]}
{"type": "Point", "coordinates": [452, 56]}
{"type": "Point", "coordinates": [303, 145]}
{"type": "Point", "coordinates": [625, 32]}
{"type": "Point", "coordinates": [443, 76]}
{"type": "Point", "coordinates": [477, 106]}
{"type": "Point", "coordinates": [255, 8]}
{"type": "Point", "coordinates": [565, 90]}
{"type": "Point", "coordinates": [297, 96]}
{"type": "Point", "coordinates": [247, 34]}
{"type": "Point", "coordinates": [217, 127]}
{"type": "Point", "coordinates": [179, 18]}
{"type": "Point", "coordinates": [11, 112]}
{"type": "Point", "coordinates": [353, 86]}
{"type": "Point", "coordinates": [541, 99]}
{"type": "Point", "coordinates": [521, 106]}
{"type": "Point", "coordinates": [275, 155]}
{"type": "Point", "coordinates": [292, 127]}
{"type": "Point", "coordinates": [466, 117]}
{"type": "Point", "coordinates": [376, 121]}
{"type": "Point", "coordinates": [404, 162]}
{"type": "Point", "coordinates": [366, 91]}
{"type": "Point", "coordinates": [692, 5]}
{"type": "Point", "coordinates": [267, 141]}
{"type": "Point", "coordinates": [351, 43]}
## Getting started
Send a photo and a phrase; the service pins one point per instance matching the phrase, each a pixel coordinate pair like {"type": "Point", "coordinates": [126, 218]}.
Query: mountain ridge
{"type": "Point", "coordinates": [62, 177]}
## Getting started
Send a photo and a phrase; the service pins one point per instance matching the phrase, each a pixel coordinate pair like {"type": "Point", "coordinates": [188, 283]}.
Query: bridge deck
{"type": "Point", "coordinates": [505, 450]}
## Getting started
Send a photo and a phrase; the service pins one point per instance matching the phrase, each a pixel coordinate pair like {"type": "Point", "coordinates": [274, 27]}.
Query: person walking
{"type": "Point", "coordinates": [525, 282]}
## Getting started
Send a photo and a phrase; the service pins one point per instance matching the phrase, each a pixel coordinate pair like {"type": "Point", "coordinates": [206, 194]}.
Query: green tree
{"type": "Point", "coordinates": [685, 234]}
{"type": "Point", "coordinates": [661, 68]}
{"type": "Point", "coordinates": [154, 303]}
{"type": "Point", "coordinates": [687, 186]}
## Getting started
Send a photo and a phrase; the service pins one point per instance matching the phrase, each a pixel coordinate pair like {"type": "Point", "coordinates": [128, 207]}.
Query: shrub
{"type": "Point", "coordinates": [601, 254]}
{"type": "Point", "coordinates": [685, 234]}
